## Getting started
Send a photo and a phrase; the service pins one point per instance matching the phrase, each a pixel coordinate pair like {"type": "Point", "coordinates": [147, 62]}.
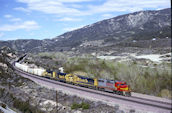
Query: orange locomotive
{"type": "Point", "coordinates": [118, 87]}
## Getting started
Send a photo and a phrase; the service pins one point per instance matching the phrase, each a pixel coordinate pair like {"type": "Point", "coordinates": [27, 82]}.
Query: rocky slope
{"type": "Point", "coordinates": [24, 96]}
{"type": "Point", "coordinates": [130, 30]}
{"type": "Point", "coordinates": [139, 26]}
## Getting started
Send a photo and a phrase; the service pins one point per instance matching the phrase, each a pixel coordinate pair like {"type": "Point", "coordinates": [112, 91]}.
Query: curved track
{"type": "Point", "coordinates": [136, 100]}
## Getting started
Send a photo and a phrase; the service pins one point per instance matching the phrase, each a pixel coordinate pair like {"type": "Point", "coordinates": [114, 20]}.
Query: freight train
{"type": "Point", "coordinates": [114, 86]}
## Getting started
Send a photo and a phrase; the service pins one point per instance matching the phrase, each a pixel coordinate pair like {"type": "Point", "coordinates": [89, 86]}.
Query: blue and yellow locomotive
{"type": "Point", "coordinates": [114, 86]}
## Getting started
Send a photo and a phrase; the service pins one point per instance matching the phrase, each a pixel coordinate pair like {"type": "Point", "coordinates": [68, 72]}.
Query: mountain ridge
{"type": "Point", "coordinates": [116, 31]}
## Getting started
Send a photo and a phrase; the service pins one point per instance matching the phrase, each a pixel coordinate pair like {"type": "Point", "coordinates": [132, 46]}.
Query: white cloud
{"type": "Point", "coordinates": [8, 16]}
{"type": "Point", "coordinates": [76, 6]}
{"type": "Point", "coordinates": [22, 9]}
{"type": "Point", "coordinates": [50, 6]}
{"type": "Point", "coordinates": [11, 18]}
{"type": "Point", "coordinates": [71, 1]}
{"type": "Point", "coordinates": [27, 25]}
{"type": "Point", "coordinates": [71, 7]}
{"type": "Point", "coordinates": [15, 19]}
{"type": "Point", "coordinates": [69, 19]}
{"type": "Point", "coordinates": [72, 28]}
{"type": "Point", "coordinates": [1, 34]}
{"type": "Point", "coordinates": [61, 1]}
{"type": "Point", "coordinates": [128, 6]}
{"type": "Point", "coordinates": [106, 16]}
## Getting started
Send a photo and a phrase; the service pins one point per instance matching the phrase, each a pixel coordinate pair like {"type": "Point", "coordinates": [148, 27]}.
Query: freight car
{"type": "Point", "coordinates": [118, 87]}
{"type": "Point", "coordinates": [36, 71]}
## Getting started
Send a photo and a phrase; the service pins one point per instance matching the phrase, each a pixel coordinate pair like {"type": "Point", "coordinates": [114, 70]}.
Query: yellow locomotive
{"type": "Point", "coordinates": [115, 86]}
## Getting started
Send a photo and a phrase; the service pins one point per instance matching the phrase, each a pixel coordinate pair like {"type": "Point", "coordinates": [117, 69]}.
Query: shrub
{"type": "Point", "coordinates": [25, 107]}
{"type": "Point", "coordinates": [83, 105]}
{"type": "Point", "coordinates": [46, 57]}
{"type": "Point", "coordinates": [1, 111]}
{"type": "Point", "coordinates": [2, 90]}
{"type": "Point", "coordinates": [141, 79]}
{"type": "Point", "coordinates": [75, 106]}
{"type": "Point", "coordinates": [3, 105]}
{"type": "Point", "coordinates": [166, 93]}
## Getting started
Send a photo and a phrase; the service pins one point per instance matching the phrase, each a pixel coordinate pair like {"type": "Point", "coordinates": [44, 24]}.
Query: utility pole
{"type": "Point", "coordinates": [9, 85]}
{"type": "Point", "coordinates": [56, 102]}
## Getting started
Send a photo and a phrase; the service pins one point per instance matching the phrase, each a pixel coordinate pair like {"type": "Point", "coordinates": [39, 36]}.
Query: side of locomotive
{"type": "Point", "coordinates": [118, 87]}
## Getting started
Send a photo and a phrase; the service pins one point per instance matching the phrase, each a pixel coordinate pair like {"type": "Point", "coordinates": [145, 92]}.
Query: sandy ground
{"type": "Point", "coordinates": [152, 57]}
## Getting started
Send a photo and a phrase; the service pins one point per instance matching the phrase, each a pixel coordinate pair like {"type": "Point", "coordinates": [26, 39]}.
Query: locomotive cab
{"type": "Point", "coordinates": [123, 88]}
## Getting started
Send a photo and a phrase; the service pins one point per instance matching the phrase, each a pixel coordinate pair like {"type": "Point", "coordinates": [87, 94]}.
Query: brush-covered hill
{"type": "Point", "coordinates": [144, 28]}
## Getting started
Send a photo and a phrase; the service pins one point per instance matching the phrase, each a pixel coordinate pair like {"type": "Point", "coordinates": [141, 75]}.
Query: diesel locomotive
{"type": "Point", "coordinates": [114, 86]}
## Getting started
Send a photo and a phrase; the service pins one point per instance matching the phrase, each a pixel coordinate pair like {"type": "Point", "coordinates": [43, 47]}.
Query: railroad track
{"type": "Point", "coordinates": [138, 100]}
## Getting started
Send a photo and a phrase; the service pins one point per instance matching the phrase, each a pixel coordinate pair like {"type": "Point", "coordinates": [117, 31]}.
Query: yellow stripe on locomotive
{"type": "Point", "coordinates": [48, 73]}
{"type": "Point", "coordinates": [125, 89]}
{"type": "Point", "coordinates": [81, 80]}
{"type": "Point", "coordinates": [69, 78]}
{"type": "Point", "coordinates": [61, 76]}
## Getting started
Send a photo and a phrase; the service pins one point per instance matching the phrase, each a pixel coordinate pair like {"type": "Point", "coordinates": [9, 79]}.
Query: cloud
{"type": "Point", "coordinates": [61, 1]}
{"type": "Point", "coordinates": [106, 16]}
{"type": "Point", "coordinates": [51, 6]}
{"type": "Point", "coordinates": [22, 9]}
{"type": "Point", "coordinates": [11, 18]}
{"type": "Point", "coordinates": [72, 1]}
{"type": "Point", "coordinates": [1, 34]}
{"type": "Point", "coordinates": [72, 28]}
{"type": "Point", "coordinates": [75, 7]}
{"type": "Point", "coordinates": [27, 25]}
{"type": "Point", "coordinates": [8, 16]}
{"type": "Point", "coordinates": [15, 19]}
{"type": "Point", "coordinates": [128, 6]}
{"type": "Point", "coordinates": [69, 19]}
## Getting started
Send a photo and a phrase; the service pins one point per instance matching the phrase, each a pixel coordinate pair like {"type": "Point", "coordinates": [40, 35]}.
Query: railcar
{"type": "Point", "coordinates": [118, 87]}
{"type": "Point", "coordinates": [49, 74]}
{"type": "Point", "coordinates": [85, 81]}
{"type": "Point", "coordinates": [61, 77]}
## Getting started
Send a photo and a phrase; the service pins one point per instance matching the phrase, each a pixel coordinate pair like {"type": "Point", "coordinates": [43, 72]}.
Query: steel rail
{"type": "Point", "coordinates": [166, 107]}
{"type": "Point", "coordinates": [152, 100]}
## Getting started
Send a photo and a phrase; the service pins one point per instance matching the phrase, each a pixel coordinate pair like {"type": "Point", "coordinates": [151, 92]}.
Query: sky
{"type": "Point", "coordinates": [46, 19]}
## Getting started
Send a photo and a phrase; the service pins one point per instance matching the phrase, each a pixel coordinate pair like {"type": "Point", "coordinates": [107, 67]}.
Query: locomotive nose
{"type": "Point", "coordinates": [124, 86]}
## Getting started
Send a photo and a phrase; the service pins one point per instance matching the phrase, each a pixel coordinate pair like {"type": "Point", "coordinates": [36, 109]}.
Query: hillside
{"type": "Point", "coordinates": [130, 30]}
{"type": "Point", "coordinates": [18, 94]}
{"type": "Point", "coordinates": [139, 26]}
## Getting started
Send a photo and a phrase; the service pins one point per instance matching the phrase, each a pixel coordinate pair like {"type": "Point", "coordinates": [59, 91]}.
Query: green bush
{"type": "Point", "coordinates": [141, 79]}
{"type": "Point", "coordinates": [25, 107]}
{"type": "Point", "coordinates": [3, 105]}
{"type": "Point", "coordinates": [83, 105]}
{"type": "Point", "coordinates": [75, 106]}
{"type": "Point", "coordinates": [46, 57]}
{"type": "Point", "coordinates": [2, 90]}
